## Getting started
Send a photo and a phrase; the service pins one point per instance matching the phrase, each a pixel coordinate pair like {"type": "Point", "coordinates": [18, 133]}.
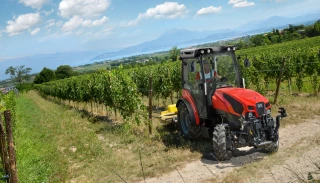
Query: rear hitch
{"type": "Point", "coordinates": [282, 114]}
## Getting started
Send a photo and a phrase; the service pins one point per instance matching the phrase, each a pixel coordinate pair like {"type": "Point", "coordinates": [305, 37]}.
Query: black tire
{"type": "Point", "coordinates": [274, 147]}
{"type": "Point", "coordinates": [185, 121]}
{"type": "Point", "coordinates": [220, 143]}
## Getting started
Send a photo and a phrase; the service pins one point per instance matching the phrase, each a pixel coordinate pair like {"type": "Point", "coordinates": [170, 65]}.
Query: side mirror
{"type": "Point", "coordinates": [246, 62]}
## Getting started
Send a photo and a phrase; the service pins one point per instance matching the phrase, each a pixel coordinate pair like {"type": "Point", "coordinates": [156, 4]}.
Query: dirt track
{"type": "Point", "coordinates": [205, 169]}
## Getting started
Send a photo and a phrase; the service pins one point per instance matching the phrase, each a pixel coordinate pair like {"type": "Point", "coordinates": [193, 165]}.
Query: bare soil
{"type": "Point", "coordinates": [292, 168]}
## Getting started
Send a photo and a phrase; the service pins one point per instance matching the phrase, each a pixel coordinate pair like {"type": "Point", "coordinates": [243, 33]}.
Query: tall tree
{"type": "Point", "coordinates": [19, 73]}
{"type": "Point", "coordinates": [316, 28]}
{"type": "Point", "coordinates": [45, 75]}
{"type": "Point", "coordinates": [64, 71]}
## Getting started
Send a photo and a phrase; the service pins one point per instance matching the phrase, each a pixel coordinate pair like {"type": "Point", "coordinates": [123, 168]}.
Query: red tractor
{"type": "Point", "coordinates": [216, 105]}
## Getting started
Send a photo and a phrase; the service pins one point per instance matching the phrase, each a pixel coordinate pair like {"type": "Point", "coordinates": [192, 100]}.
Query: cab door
{"type": "Point", "coordinates": [194, 85]}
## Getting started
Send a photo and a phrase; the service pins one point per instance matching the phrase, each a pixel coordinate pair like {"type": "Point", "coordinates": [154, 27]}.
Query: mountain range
{"type": "Point", "coordinates": [173, 37]}
{"type": "Point", "coordinates": [185, 38]}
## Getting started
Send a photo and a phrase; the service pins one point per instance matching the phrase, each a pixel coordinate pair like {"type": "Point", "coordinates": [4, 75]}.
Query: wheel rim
{"type": "Point", "coordinates": [185, 120]}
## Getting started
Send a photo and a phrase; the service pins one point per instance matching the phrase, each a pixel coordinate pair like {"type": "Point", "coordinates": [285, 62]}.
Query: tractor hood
{"type": "Point", "coordinates": [239, 100]}
{"type": "Point", "coordinates": [245, 96]}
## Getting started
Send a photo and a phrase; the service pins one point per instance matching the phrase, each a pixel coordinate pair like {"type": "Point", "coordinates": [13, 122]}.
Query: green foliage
{"type": "Point", "coordinates": [258, 40]}
{"type": "Point", "coordinates": [25, 87]}
{"type": "Point", "coordinates": [287, 34]}
{"type": "Point", "coordinates": [310, 177]}
{"type": "Point", "coordinates": [45, 75]}
{"type": "Point", "coordinates": [64, 71]}
{"type": "Point", "coordinates": [114, 89]}
{"type": "Point", "coordinates": [19, 73]}
{"type": "Point", "coordinates": [299, 82]}
{"type": "Point", "coordinates": [315, 83]}
{"type": "Point", "coordinates": [174, 53]}
{"type": "Point", "coordinates": [166, 78]}
{"type": "Point", "coordinates": [316, 29]}
{"type": "Point", "coordinates": [8, 102]}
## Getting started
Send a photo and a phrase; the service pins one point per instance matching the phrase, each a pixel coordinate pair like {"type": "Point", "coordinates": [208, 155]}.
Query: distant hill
{"type": "Point", "coordinates": [184, 38]}
{"type": "Point", "coordinates": [278, 22]}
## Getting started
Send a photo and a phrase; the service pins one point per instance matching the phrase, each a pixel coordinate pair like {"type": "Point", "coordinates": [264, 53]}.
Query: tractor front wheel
{"type": "Point", "coordinates": [274, 147]}
{"type": "Point", "coordinates": [221, 144]}
{"type": "Point", "coordinates": [186, 120]}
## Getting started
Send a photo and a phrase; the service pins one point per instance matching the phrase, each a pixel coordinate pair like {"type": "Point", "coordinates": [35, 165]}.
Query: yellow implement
{"type": "Point", "coordinates": [170, 113]}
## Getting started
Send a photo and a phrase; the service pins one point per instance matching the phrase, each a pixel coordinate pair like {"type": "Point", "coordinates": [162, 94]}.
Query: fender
{"type": "Point", "coordinates": [188, 100]}
{"type": "Point", "coordinates": [191, 111]}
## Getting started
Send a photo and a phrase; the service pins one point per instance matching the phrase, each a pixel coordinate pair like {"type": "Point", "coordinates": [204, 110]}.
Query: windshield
{"type": "Point", "coordinates": [218, 71]}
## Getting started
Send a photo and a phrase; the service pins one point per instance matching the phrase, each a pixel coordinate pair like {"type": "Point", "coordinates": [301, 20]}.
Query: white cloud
{"type": "Point", "coordinates": [35, 31]}
{"type": "Point", "coordinates": [82, 8]}
{"type": "Point", "coordinates": [168, 10]}
{"type": "Point", "coordinates": [100, 21]}
{"type": "Point", "coordinates": [243, 4]}
{"type": "Point", "coordinates": [90, 23]}
{"type": "Point", "coordinates": [51, 23]}
{"type": "Point", "coordinates": [23, 22]}
{"type": "Point", "coordinates": [72, 24]}
{"type": "Point", "coordinates": [59, 23]}
{"type": "Point", "coordinates": [77, 21]}
{"type": "Point", "coordinates": [234, 1]}
{"type": "Point", "coordinates": [240, 3]}
{"type": "Point", "coordinates": [47, 13]}
{"type": "Point", "coordinates": [209, 10]}
{"type": "Point", "coordinates": [277, 1]}
{"type": "Point", "coordinates": [87, 23]}
{"type": "Point", "coordinates": [37, 4]}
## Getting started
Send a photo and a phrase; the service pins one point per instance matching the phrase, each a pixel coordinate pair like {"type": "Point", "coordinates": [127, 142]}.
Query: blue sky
{"type": "Point", "coordinates": [29, 27]}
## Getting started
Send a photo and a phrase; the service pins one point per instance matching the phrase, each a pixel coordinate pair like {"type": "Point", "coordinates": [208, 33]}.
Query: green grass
{"type": "Point", "coordinates": [44, 137]}
{"type": "Point", "coordinates": [48, 133]}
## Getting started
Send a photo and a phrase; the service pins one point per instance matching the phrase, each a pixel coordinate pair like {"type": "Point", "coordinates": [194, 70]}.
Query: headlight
{"type": "Point", "coordinates": [250, 114]}
{"type": "Point", "coordinates": [268, 111]}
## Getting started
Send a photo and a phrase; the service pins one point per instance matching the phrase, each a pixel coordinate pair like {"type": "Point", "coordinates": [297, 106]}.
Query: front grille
{"type": "Point", "coordinates": [260, 108]}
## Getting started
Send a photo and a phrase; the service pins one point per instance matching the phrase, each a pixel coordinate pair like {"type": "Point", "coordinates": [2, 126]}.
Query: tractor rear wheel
{"type": "Point", "coordinates": [185, 121]}
{"type": "Point", "coordinates": [220, 143]}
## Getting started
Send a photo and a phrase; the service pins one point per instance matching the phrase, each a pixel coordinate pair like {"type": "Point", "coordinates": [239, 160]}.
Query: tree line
{"type": "Point", "coordinates": [290, 33]}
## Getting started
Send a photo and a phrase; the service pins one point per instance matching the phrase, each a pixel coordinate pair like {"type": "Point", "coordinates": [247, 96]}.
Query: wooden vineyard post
{"type": "Point", "coordinates": [11, 151]}
{"type": "Point", "coordinates": [3, 150]}
{"type": "Point", "coordinates": [150, 105]}
{"type": "Point", "coordinates": [279, 81]}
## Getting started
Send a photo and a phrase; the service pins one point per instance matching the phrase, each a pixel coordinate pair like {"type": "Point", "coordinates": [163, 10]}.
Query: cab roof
{"type": "Point", "coordinates": [195, 52]}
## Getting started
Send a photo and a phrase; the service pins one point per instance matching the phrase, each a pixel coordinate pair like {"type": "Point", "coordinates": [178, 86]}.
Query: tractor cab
{"type": "Point", "coordinates": [204, 71]}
